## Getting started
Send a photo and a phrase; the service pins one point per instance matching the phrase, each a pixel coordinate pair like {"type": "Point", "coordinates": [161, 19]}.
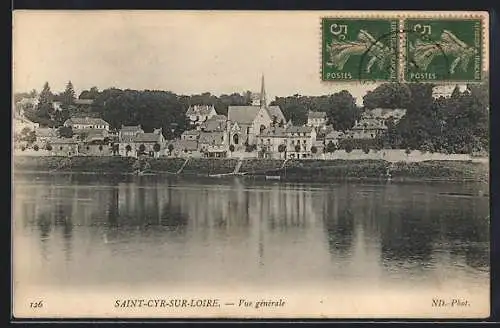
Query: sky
{"type": "Point", "coordinates": [178, 51]}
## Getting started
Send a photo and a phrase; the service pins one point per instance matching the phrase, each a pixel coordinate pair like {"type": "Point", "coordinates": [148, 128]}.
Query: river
{"type": "Point", "coordinates": [92, 233]}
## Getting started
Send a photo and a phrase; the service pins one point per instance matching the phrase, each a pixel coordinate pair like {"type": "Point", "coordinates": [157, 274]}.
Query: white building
{"type": "Point", "coordinates": [316, 119]}
{"type": "Point", "coordinates": [198, 114]}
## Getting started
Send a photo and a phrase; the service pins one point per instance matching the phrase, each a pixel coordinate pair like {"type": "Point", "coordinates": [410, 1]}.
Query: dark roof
{"type": "Point", "coordinates": [273, 132]}
{"type": "Point", "coordinates": [131, 128]}
{"type": "Point", "coordinates": [276, 111]}
{"type": "Point", "coordinates": [312, 114]}
{"type": "Point", "coordinates": [62, 141]}
{"type": "Point", "coordinates": [299, 129]}
{"type": "Point", "coordinates": [216, 123]}
{"type": "Point", "coordinates": [147, 137]}
{"type": "Point", "coordinates": [211, 138]}
{"type": "Point", "coordinates": [242, 114]}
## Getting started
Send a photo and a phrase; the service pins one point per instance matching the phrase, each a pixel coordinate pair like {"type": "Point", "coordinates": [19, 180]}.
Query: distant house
{"type": "Point", "coordinates": [334, 137]}
{"type": "Point", "coordinates": [367, 128]}
{"type": "Point", "coordinates": [138, 142]}
{"type": "Point", "coordinates": [80, 123]}
{"type": "Point", "coordinates": [446, 90]}
{"type": "Point", "coordinates": [128, 133]}
{"type": "Point", "coordinates": [198, 114]}
{"type": "Point", "coordinates": [316, 119]}
{"type": "Point", "coordinates": [184, 148]}
{"type": "Point", "coordinates": [213, 144]}
{"type": "Point", "coordinates": [64, 146]}
{"type": "Point", "coordinates": [214, 124]}
{"type": "Point", "coordinates": [297, 140]}
{"type": "Point", "coordinates": [384, 114]}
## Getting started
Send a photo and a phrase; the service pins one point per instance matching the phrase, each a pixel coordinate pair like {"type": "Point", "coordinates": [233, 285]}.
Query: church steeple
{"type": "Point", "coordinates": [263, 99]}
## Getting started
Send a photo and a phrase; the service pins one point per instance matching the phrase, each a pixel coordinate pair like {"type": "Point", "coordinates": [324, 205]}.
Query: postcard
{"type": "Point", "coordinates": [250, 164]}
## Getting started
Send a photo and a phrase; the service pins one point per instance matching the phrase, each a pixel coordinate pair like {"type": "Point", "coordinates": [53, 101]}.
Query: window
{"type": "Point", "coordinates": [235, 139]}
{"type": "Point", "coordinates": [268, 141]}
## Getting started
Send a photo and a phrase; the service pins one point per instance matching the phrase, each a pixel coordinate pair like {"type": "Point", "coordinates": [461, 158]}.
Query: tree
{"type": "Point", "coordinates": [314, 149]}
{"type": "Point", "coordinates": [68, 96]}
{"type": "Point", "coordinates": [65, 132]}
{"type": "Point", "coordinates": [93, 93]}
{"type": "Point", "coordinates": [35, 147]}
{"type": "Point", "coordinates": [128, 149]}
{"type": "Point", "coordinates": [48, 147]}
{"type": "Point", "coordinates": [44, 109]}
{"type": "Point", "coordinates": [388, 95]}
{"type": "Point", "coordinates": [297, 148]}
{"type": "Point", "coordinates": [142, 148]}
{"type": "Point", "coordinates": [365, 148]}
{"type": "Point", "coordinates": [115, 148]}
{"type": "Point", "coordinates": [348, 146]}
{"type": "Point", "coordinates": [330, 147]}
{"type": "Point", "coordinates": [100, 147]}
{"type": "Point", "coordinates": [170, 149]}
{"type": "Point", "coordinates": [342, 111]}
{"type": "Point", "coordinates": [156, 147]}
{"type": "Point", "coordinates": [231, 148]}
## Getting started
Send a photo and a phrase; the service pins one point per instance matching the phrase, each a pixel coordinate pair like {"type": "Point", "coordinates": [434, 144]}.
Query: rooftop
{"type": "Point", "coordinates": [199, 109]}
{"type": "Point", "coordinates": [314, 115]}
{"type": "Point", "coordinates": [147, 137]}
{"type": "Point", "coordinates": [84, 101]}
{"type": "Point", "coordinates": [242, 114]}
{"type": "Point", "coordinates": [211, 138]}
{"type": "Point", "coordinates": [86, 121]}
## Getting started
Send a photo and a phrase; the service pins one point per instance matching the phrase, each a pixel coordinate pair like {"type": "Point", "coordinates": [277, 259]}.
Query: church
{"type": "Point", "coordinates": [245, 123]}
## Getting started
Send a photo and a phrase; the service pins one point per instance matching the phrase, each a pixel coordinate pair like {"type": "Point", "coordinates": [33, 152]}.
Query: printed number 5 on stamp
{"type": "Point", "coordinates": [359, 49]}
{"type": "Point", "coordinates": [443, 50]}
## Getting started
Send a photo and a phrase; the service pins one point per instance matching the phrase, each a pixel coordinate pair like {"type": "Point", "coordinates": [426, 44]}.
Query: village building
{"type": "Point", "coordinates": [197, 114]}
{"type": "Point", "coordinates": [183, 148]}
{"type": "Point", "coordinates": [214, 124]}
{"type": "Point", "coordinates": [63, 146]}
{"type": "Point", "coordinates": [81, 123]}
{"type": "Point", "coordinates": [334, 137]}
{"type": "Point", "coordinates": [367, 128]}
{"type": "Point", "coordinates": [213, 144]}
{"type": "Point", "coordinates": [245, 123]}
{"type": "Point", "coordinates": [384, 114]}
{"type": "Point", "coordinates": [316, 119]}
{"type": "Point", "coordinates": [296, 141]}
{"type": "Point", "coordinates": [133, 142]}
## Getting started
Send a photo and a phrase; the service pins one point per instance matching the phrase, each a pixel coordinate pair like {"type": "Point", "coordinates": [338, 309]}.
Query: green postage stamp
{"type": "Point", "coordinates": [359, 49]}
{"type": "Point", "coordinates": [443, 50]}
{"type": "Point", "coordinates": [434, 48]}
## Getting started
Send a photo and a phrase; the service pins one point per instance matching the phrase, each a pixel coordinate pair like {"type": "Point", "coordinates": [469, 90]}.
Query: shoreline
{"type": "Point", "coordinates": [306, 170]}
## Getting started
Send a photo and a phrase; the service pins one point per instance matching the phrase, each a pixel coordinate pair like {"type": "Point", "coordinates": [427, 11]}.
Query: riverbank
{"type": "Point", "coordinates": [290, 170]}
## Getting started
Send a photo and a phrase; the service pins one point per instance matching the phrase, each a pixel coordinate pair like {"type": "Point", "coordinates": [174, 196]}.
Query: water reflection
{"type": "Point", "coordinates": [136, 229]}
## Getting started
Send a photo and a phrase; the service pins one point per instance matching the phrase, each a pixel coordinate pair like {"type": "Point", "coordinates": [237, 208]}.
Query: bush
{"type": "Point", "coordinates": [366, 149]}
{"type": "Point", "coordinates": [297, 148]}
{"type": "Point", "coordinates": [314, 149]}
{"type": "Point", "coordinates": [100, 147]}
{"type": "Point", "coordinates": [156, 147]}
{"type": "Point", "coordinates": [330, 147]}
{"type": "Point", "coordinates": [231, 148]}
{"type": "Point", "coordinates": [348, 148]}
{"type": "Point", "coordinates": [282, 148]}
{"type": "Point", "coordinates": [48, 147]}
{"type": "Point", "coordinates": [23, 148]}
{"type": "Point", "coordinates": [35, 148]}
